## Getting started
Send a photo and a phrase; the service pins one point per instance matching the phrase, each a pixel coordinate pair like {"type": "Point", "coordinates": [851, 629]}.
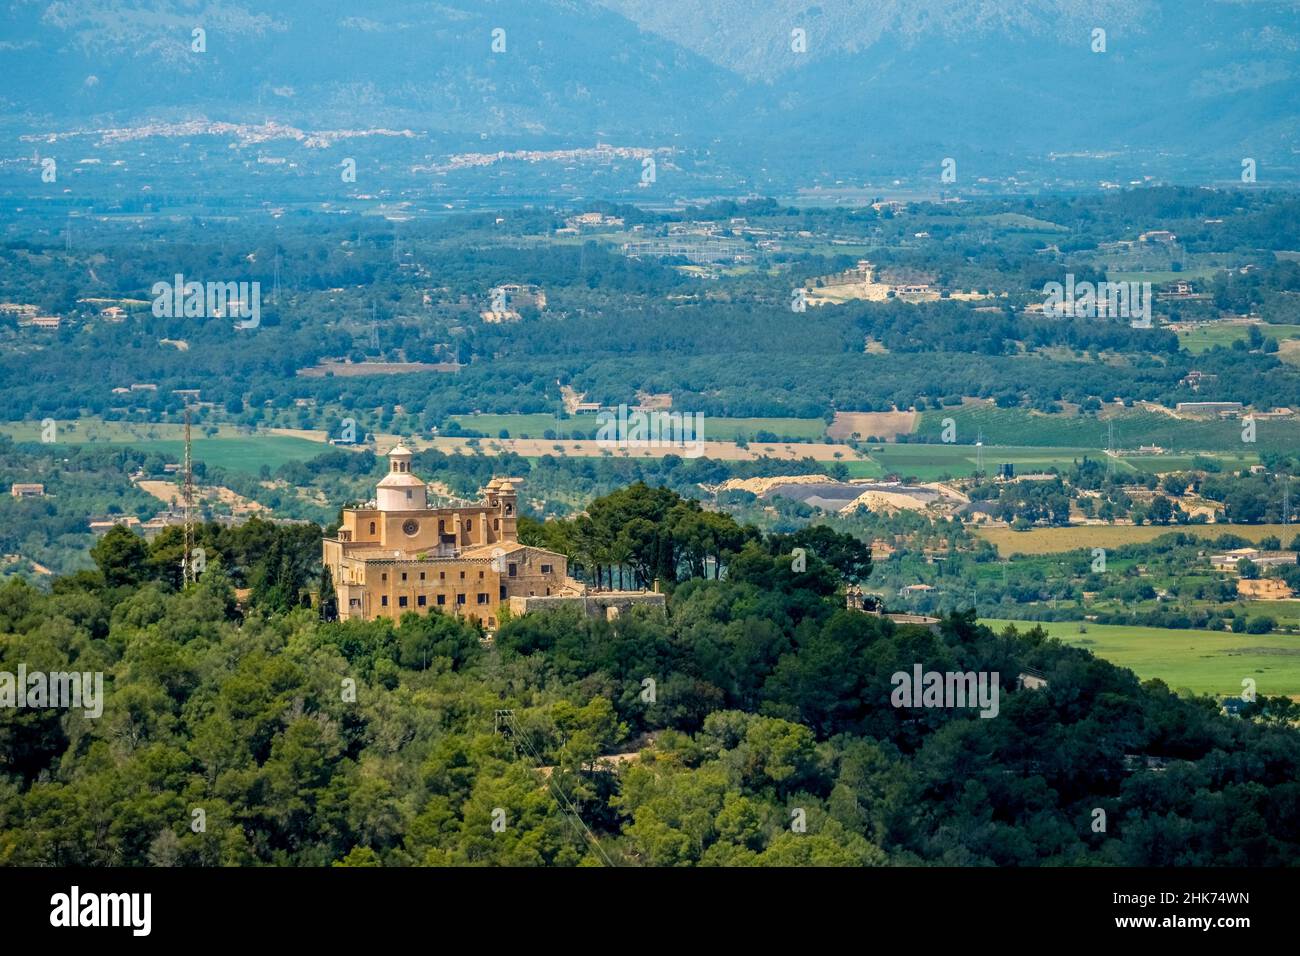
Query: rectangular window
{"type": "Point", "coordinates": [546, 569]}
{"type": "Point", "coordinates": [460, 599]}
{"type": "Point", "coordinates": [442, 575]}
{"type": "Point", "coordinates": [480, 575]}
{"type": "Point", "coordinates": [442, 599]}
{"type": "Point", "coordinates": [403, 575]}
{"type": "Point", "coordinates": [421, 575]}
{"type": "Point", "coordinates": [512, 569]}
{"type": "Point", "coordinates": [483, 599]}
{"type": "Point", "coordinates": [421, 601]}
{"type": "Point", "coordinates": [383, 601]}
{"type": "Point", "coordinates": [384, 576]}
{"type": "Point", "coordinates": [401, 601]}
{"type": "Point", "coordinates": [503, 592]}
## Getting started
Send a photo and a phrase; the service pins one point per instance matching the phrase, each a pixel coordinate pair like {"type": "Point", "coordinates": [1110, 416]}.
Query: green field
{"type": "Point", "coordinates": [929, 462]}
{"type": "Point", "coordinates": [1018, 221]}
{"type": "Point", "coordinates": [1162, 278]}
{"type": "Point", "coordinates": [715, 429]}
{"type": "Point", "coordinates": [1207, 336]}
{"type": "Point", "coordinates": [1060, 540]}
{"type": "Point", "coordinates": [241, 454]}
{"type": "Point", "coordinates": [1286, 613]}
{"type": "Point", "coordinates": [230, 449]}
{"type": "Point", "coordinates": [1199, 662]}
{"type": "Point", "coordinates": [1133, 427]}
{"type": "Point", "coordinates": [864, 469]}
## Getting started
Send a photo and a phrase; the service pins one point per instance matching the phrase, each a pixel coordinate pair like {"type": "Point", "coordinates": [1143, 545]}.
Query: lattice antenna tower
{"type": "Point", "coordinates": [187, 500]}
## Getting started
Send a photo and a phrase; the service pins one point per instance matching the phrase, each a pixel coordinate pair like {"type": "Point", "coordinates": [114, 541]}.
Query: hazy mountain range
{"type": "Point", "coordinates": [879, 85]}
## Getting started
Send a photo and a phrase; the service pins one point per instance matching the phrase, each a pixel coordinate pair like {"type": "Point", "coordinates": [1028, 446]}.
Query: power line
{"type": "Point", "coordinates": [561, 797]}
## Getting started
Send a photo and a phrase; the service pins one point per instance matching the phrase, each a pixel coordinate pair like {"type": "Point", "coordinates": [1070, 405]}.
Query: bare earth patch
{"type": "Point", "coordinates": [170, 494]}
{"type": "Point", "coordinates": [1288, 350]}
{"type": "Point", "coordinates": [881, 424]}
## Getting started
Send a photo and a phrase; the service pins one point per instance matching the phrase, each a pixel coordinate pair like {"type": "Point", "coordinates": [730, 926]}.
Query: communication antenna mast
{"type": "Point", "coordinates": [187, 498]}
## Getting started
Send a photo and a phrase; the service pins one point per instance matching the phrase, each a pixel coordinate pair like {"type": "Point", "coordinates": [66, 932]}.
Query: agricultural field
{"type": "Point", "coordinates": [246, 454]}
{"type": "Point", "coordinates": [1190, 662]}
{"type": "Point", "coordinates": [930, 462]}
{"type": "Point", "coordinates": [1209, 334]}
{"type": "Point", "coordinates": [715, 429]}
{"type": "Point", "coordinates": [1133, 428]}
{"type": "Point", "coordinates": [1286, 613]}
{"type": "Point", "coordinates": [589, 448]}
{"type": "Point", "coordinates": [859, 468]}
{"type": "Point", "coordinates": [1159, 464]}
{"type": "Point", "coordinates": [1058, 540]}
{"type": "Point", "coordinates": [1163, 277]}
{"type": "Point", "coordinates": [1015, 221]}
{"type": "Point", "coordinates": [231, 448]}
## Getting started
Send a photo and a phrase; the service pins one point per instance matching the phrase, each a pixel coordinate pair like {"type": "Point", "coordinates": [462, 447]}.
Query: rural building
{"type": "Point", "coordinates": [507, 299]}
{"type": "Point", "coordinates": [160, 523]}
{"type": "Point", "coordinates": [591, 220]}
{"type": "Point", "coordinates": [1195, 379]}
{"type": "Point", "coordinates": [102, 525]}
{"type": "Point", "coordinates": [910, 589]}
{"type": "Point", "coordinates": [1208, 408]}
{"type": "Point", "coordinates": [27, 490]}
{"type": "Point", "coordinates": [1228, 560]}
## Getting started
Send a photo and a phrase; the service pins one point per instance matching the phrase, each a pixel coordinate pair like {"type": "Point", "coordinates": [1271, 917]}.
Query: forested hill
{"type": "Point", "coordinates": [261, 733]}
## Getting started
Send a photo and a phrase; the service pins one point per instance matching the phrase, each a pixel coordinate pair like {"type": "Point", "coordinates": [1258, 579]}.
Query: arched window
{"type": "Point", "coordinates": [372, 527]}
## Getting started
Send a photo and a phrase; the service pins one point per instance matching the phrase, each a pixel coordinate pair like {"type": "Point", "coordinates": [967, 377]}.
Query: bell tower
{"type": "Point", "coordinates": [503, 498]}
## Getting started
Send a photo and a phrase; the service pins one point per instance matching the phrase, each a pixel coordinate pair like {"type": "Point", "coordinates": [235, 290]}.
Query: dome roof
{"type": "Point", "coordinates": [399, 450]}
{"type": "Point", "coordinates": [400, 479]}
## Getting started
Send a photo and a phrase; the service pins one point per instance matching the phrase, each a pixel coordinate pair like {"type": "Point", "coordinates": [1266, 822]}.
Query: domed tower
{"type": "Point", "coordinates": [400, 490]}
{"type": "Point", "coordinates": [503, 498]}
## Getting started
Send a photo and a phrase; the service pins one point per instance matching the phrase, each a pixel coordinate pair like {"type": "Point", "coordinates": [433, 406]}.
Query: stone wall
{"type": "Point", "coordinates": [608, 604]}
